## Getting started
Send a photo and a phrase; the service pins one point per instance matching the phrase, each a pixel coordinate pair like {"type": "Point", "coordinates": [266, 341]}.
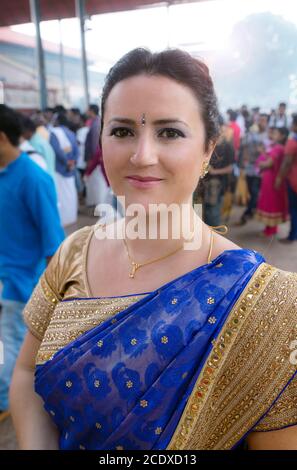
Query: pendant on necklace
{"type": "Point", "coordinates": [134, 268]}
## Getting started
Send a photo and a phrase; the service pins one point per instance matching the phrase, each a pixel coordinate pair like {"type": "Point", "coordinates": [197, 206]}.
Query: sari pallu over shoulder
{"type": "Point", "coordinates": [128, 383]}
{"type": "Point", "coordinates": [249, 379]}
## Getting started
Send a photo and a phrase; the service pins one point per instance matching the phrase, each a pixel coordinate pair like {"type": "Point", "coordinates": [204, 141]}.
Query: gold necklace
{"type": "Point", "coordinates": [135, 265]}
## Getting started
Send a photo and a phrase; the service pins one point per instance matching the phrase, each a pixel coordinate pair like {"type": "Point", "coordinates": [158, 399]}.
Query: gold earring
{"type": "Point", "coordinates": [205, 168]}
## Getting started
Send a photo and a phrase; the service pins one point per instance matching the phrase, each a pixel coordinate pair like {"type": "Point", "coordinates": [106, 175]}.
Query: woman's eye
{"type": "Point", "coordinates": [121, 132]}
{"type": "Point", "coordinates": [171, 133]}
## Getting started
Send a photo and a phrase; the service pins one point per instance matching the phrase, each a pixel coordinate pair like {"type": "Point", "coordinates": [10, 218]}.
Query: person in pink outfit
{"type": "Point", "coordinates": [272, 207]}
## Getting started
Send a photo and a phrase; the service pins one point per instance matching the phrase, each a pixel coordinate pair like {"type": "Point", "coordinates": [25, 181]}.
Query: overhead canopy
{"type": "Point", "coordinates": [18, 11]}
{"type": "Point", "coordinates": [26, 11]}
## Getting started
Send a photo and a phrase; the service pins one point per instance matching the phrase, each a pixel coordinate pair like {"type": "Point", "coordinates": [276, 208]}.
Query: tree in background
{"type": "Point", "coordinates": [260, 66]}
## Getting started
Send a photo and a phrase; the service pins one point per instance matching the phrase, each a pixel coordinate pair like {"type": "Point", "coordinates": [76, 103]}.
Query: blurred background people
{"type": "Point", "coordinates": [288, 171]}
{"type": "Point", "coordinates": [280, 118]}
{"type": "Point", "coordinates": [254, 138]}
{"type": "Point", "coordinates": [272, 206]}
{"type": "Point", "coordinates": [30, 234]}
{"type": "Point", "coordinates": [39, 143]}
{"type": "Point", "coordinates": [92, 140]}
{"type": "Point", "coordinates": [217, 180]}
{"type": "Point", "coordinates": [64, 143]}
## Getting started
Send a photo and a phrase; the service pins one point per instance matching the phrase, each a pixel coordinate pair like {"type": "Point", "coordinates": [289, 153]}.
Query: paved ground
{"type": "Point", "coordinates": [247, 236]}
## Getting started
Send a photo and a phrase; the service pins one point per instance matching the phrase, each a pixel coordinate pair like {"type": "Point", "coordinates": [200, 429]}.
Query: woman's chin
{"type": "Point", "coordinates": [149, 206]}
{"type": "Point", "coordinates": [149, 201]}
{"type": "Point", "coordinates": [146, 204]}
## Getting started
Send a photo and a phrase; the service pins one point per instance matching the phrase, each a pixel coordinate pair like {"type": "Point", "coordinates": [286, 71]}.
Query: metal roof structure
{"type": "Point", "coordinates": [18, 11]}
{"type": "Point", "coordinates": [26, 11]}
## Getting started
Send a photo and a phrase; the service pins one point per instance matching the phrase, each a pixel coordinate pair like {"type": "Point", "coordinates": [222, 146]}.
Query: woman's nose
{"type": "Point", "coordinates": [145, 152]}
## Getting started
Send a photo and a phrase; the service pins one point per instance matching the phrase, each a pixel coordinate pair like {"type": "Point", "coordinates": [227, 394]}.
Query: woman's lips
{"type": "Point", "coordinates": [141, 182]}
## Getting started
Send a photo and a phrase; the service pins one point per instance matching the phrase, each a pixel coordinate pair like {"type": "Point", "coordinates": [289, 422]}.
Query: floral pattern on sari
{"type": "Point", "coordinates": [138, 372]}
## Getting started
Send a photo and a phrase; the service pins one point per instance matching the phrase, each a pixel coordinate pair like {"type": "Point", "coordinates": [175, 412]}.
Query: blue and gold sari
{"type": "Point", "coordinates": [196, 364]}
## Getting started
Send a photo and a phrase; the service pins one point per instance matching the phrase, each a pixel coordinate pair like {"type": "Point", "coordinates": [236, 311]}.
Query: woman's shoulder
{"type": "Point", "coordinates": [69, 260]}
{"type": "Point", "coordinates": [283, 278]}
{"type": "Point", "coordinates": [76, 240]}
{"type": "Point", "coordinates": [73, 250]}
{"type": "Point", "coordinates": [222, 244]}
{"type": "Point", "coordinates": [272, 296]}
{"type": "Point", "coordinates": [286, 284]}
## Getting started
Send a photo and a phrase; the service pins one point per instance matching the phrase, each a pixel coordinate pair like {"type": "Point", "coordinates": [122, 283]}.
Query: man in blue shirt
{"type": "Point", "coordinates": [30, 234]}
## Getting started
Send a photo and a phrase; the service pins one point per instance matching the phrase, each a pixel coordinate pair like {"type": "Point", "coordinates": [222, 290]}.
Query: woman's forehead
{"type": "Point", "coordinates": [153, 95]}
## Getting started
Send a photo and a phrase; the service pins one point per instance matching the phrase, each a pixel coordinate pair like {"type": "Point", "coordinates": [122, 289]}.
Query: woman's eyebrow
{"type": "Point", "coordinates": [169, 121]}
{"type": "Point", "coordinates": [122, 121]}
{"type": "Point", "coordinates": [131, 122]}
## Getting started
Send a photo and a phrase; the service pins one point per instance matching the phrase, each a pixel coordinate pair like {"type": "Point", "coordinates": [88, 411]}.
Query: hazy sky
{"type": "Point", "coordinates": [193, 26]}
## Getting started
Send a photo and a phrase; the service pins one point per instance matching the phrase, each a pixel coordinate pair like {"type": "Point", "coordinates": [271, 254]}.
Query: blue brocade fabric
{"type": "Point", "coordinates": [124, 384]}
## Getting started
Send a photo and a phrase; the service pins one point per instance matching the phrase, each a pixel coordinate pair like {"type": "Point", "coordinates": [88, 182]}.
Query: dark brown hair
{"type": "Point", "coordinates": [175, 64]}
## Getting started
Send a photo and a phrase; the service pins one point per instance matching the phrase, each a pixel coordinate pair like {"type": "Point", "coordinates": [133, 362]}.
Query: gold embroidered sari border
{"type": "Point", "coordinates": [48, 292]}
{"type": "Point", "coordinates": [218, 354]}
{"type": "Point", "coordinates": [72, 318]}
{"type": "Point", "coordinates": [36, 312]}
{"type": "Point", "coordinates": [257, 369]}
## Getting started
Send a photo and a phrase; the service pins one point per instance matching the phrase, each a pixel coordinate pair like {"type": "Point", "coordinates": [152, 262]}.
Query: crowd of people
{"type": "Point", "coordinates": [64, 143]}
{"type": "Point", "coordinates": [254, 163]}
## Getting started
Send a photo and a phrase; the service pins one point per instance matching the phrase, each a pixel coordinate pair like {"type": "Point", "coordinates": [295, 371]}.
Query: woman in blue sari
{"type": "Point", "coordinates": [136, 343]}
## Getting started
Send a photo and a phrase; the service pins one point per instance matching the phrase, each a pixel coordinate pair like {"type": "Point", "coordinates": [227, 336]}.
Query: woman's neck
{"type": "Point", "coordinates": [157, 236]}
